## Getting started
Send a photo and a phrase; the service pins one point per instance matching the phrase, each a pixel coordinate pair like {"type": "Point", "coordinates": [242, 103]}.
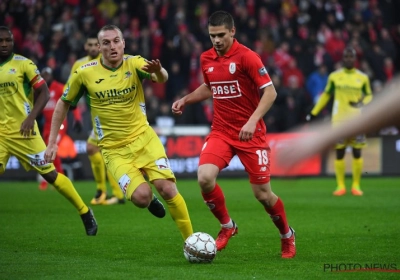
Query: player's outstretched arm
{"type": "Point", "coordinates": [42, 96]}
{"type": "Point", "coordinates": [199, 94]}
{"type": "Point", "coordinates": [60, 112]}
{"type": "Point", "coordinates": [158, 73]}
{"type": "Point", "coordinates": [381, 112]}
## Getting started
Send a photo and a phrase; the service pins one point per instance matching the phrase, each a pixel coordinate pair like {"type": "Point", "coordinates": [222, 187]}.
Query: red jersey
{"type": "Point", "coordinates": [56, 89]}
{"type": "Point", "coordinates": [235, 80]}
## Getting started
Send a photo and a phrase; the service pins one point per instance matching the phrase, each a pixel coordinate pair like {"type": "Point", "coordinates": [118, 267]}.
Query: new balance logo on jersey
{"type": "Point", "coordinates": [225, 89]}
{"type": "Point", "coordinates": [99, 81]}
{"type": "Point", "coordinates": [210, 69]}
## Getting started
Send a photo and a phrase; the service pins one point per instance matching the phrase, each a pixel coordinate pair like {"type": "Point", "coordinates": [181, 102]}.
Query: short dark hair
{"type": "Point", "coordinates": [109, 27]}
{"type": "Point", "coordinates": [219, 18]}
{"type": "Point", "coordinates": [5, 28]}
{"type": "Point", "coordinates": [91, 35]}
{"type": "Point", "coordinates": [350, 49]}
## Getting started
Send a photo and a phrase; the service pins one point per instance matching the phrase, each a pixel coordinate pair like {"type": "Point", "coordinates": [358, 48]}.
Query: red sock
{"type": "Point", "coordinates": [215, 200]}
{"type": "Point", "coordinates": [278, 216]}
{"type": "Point", "coordinates": [57, 165]}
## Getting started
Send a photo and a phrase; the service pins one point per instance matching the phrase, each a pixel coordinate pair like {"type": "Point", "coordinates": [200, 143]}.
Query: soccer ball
{"type": "Point", "coordinates": [200, 247]}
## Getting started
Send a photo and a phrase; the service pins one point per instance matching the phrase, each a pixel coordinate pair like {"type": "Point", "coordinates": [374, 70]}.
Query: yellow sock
{"type": "Point", "coordinates": [340, 173]}
{"type": "Point", "coordinates": [116, 190]}
{"type": "Point", "coordinates": [99, 171]}
{"type": "Point", "coordinates": [180, 215]}
{"type": "Point", "coordinates": [64, 186]}
{"type": "Point", "coordinates": [357, 166]}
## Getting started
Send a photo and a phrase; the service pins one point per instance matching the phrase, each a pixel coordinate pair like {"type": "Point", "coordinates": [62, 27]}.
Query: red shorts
{"type": "Point", "coordinates": [254, 155]}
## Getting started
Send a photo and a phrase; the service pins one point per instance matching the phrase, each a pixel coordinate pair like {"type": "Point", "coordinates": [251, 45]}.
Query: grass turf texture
{"type": "Point", "coordinates": [42, 236]}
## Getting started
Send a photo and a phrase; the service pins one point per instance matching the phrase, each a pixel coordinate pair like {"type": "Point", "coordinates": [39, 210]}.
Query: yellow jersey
{"type": "Point", "coordinates": [345, 86]}
{"type": "Point", "coordinates": [80, 62]}
{"type": "Point", "coordinates": [115, 97]}
{"type": "Point", "coordinates": [18, 77]}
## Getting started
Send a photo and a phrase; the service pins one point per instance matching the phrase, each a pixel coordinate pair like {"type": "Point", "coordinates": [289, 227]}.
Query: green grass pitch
{"type": "Point", "coordinates": [42, 236]}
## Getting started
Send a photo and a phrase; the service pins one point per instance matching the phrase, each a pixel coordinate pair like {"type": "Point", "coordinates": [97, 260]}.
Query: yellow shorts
{"type": "Point", "coordinates": [92, 139]}
{"type": "Point", "coordinates": [29, 152]}
{"type": "Point", "coordinates": [357, 142]}
{"type": "Point", "coordinates": [145, 154]}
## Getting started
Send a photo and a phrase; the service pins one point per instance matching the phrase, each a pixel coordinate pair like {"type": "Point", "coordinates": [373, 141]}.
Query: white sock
{"type": "Point", "coordinates": [228, 225]}
{"type": "Point", "coordinates": [287, 235]}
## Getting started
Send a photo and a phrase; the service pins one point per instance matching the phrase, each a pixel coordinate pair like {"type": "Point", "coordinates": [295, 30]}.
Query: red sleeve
{"type": "Point", "coordinates": [256, 69]}
{"type": "Point", "coordinates": [203, 71]}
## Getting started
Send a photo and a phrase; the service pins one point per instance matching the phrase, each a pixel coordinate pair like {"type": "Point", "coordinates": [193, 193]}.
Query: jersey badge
{"type": "Point", "coordinates": [232, 67]}
{"type": "Point", "coordinates": [262, 71]}
{"type": "Point", "coordinates": [128, 74]}
{"type": "Point", "coordinates": [12, 71]}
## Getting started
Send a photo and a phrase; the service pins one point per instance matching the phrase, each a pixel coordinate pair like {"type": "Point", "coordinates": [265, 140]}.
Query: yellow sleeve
{"type": "Point", "coordinates": [322, 101]}
{"type": "Point", "coordinates": [367, 92]}
{"type": "Point", "coordinates": [73, 89]}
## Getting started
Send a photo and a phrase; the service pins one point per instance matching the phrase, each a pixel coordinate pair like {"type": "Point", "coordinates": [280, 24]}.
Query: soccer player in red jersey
{"type": "Point", "coordinates": [242, 93]}
{"type": "Point", "coordinates": [56, 89]}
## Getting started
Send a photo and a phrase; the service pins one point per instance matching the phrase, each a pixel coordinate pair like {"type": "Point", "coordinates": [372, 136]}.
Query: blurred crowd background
{"type": "Point", "coordinates": [299, 41]}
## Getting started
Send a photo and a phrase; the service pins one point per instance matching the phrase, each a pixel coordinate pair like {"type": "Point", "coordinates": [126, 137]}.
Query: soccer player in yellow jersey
{"type": "Point", "coordinates": [20, 81]}
{"type": "Point", "coordinates": [112, 85]}
{"type": "Point", "coordinates": [93, 151]}
{"type": "Point", "coordinates": [350, 89]}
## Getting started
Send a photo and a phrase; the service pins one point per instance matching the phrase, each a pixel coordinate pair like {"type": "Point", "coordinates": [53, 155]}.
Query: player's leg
{"type": "Point", "coordinates": [357, 143]}
{"type": "Point", "coordinates": [64, 186]}
{"type": "Point", "coordinates": [4, 155]}
{"type": "Point", "coordinates": [98, 169]}
{"type": "Point", "coordinates": [117, 195]}
{"type": "Point", "coordinates": [57, 164]}
{"type": "Point", "coordinates": [31, 155]}
{"type": "Point", "coordinates": [122, 165]}
{"type": "Point", "coordinates": [357, 167]}
{"type": "Point", "coordinates": [340, 169]}
{"type": "Point", "coordinates": [214, 157]}
{"type": "Point", "coordinates": [154, 162]}
{"type": "Point", "coordinates": [255, 156]}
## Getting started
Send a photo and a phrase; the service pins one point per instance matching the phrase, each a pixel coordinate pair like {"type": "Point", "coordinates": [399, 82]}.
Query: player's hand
{"type": "Point", "coordinates": [177, 107]}
{"type": "Point", "coordinates": [27, 127]}
{"type": "Point", "coordinates": [310, 117]}
{"type": "Point", "coordinates": [247, 131]}
{"type": "Point", "coordinates": [357, 104]}
{"type": "Point", "coordinates": [152, 66]}
{"type": "Point", "coordinates": [51, 152]}
{"type": "Point", "coordinates": [78, 126]}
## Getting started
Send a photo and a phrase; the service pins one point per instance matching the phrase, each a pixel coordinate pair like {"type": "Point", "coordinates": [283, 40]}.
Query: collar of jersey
{"type": "Point", "coordinates": [8, 59]}
{"type": "Point", "coordinates": [110, 68]}
{"type": "Point", "coordinates": [352, 70]}
{"type": "Point", "coordinates": [229, 53]}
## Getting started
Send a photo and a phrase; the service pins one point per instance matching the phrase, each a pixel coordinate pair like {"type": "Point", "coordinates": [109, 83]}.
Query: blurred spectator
{"type": "Point", "coordinates": [335, 45]}
{"type": "Point", "coordinates": [292, 74]}
{"type": "Point", "coordinates": [316, 82]}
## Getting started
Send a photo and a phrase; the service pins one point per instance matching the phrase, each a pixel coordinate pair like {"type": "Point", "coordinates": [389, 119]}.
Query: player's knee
{"type": "Point", "coordinates": [206, 179]}
{"type": "Point", "coordinates": [166, 188]}
{"type": "Point", "coordinates": [142, 196]}
{"type": "Point", "coordinates": [50, 177]}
